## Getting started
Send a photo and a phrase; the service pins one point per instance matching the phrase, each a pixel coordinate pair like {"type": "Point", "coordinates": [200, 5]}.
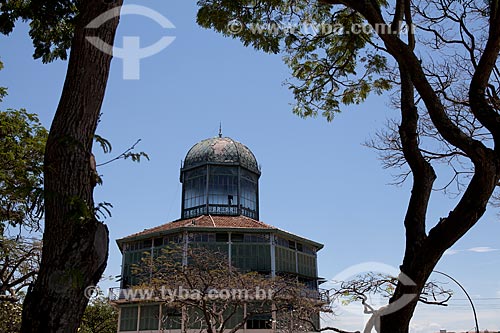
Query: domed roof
{"type": "Point", "coordinates": [221, 150]}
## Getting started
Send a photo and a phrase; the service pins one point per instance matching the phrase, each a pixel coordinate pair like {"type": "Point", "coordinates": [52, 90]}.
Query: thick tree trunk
{"type": "Point", "coordinates": [75, 244]}
{"type": "Point", "coordinates": [399, 321]}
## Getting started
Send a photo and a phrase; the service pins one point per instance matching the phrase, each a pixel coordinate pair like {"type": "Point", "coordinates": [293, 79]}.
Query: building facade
{"type": "Point", "coordinates": [220, 211]}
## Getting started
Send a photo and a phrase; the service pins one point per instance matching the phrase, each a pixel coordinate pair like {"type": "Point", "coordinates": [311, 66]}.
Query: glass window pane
{"type": "Point", "coordinates": [149, 317]}
{"type": "Point", "coordinates": [128, 318]}
{"type": "Point", "coordinates": [171, 318]}
{"type": "Point", "coordinates": [194, 188]}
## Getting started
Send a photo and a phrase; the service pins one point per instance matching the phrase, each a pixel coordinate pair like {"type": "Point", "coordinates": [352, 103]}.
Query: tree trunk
{"type": "Point", "coordinates": [75, 244]}
{"type": "Point", "coordinates": [421, 269]}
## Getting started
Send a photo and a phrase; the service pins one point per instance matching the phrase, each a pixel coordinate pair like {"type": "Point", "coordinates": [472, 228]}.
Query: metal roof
{"type": "Point", "coordinates": [220, 150]}
{"type": "Point", "coordinates": [211, 222]}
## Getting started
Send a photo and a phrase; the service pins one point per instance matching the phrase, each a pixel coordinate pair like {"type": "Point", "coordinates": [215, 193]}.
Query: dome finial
{"type": "Point", "coordinates": [220, 129]}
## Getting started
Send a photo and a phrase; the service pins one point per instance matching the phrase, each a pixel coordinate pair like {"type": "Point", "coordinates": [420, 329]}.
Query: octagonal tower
{"type": "Point", "coordinates": [220, 176]}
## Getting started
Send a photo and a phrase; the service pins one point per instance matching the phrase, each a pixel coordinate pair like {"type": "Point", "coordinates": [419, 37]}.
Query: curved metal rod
{"type": "Point", "coordinates": [466, 294]}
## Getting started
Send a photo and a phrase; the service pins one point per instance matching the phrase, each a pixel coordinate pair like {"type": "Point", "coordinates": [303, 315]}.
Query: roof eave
{"type": "Point", "coordinates": [154, 234]}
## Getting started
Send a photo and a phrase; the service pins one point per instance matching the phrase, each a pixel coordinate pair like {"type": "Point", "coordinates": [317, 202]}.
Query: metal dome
{"type": "Point", "coordinates": [221, 150]}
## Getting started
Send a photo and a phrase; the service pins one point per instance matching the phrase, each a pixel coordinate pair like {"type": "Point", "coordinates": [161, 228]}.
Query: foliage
{"type": "Point", "coordinates": [51, 24]}
{"type": "Point", "coordinates": [329, 68]}
{"type": "Point", "coordinates": [3, 90]}
{"type": "Point", "coordinates": [10, 317]}
{"type": "Point", "coordinates": [99, 317]}
{"type": "Point", "coordinates": [22, 143]}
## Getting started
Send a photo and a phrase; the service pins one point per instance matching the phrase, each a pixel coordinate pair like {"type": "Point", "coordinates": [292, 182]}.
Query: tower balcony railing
{"type": "Point", "coordinates": [114, 294]}
{"type": "Point", "coordinates": [221, 209]}
{"type": "Point", "coordinates": [218, 209]}
{"type": "Point", "coordinates": [120, 295]}
{"type": "Point", "coordinates": [128, 295]}
{"type": "Point", "coordinates": [322, 295]}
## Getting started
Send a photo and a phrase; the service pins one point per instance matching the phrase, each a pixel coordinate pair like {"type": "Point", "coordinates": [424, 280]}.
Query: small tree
{"type": "Point", "coordinates": [19, 263]}
{"type": "Point", "coordinates": [99, 316]}
{"type": "Point", "coordinates": [362, 287]}
{"type": "Point", "coordinates": [216, 297]}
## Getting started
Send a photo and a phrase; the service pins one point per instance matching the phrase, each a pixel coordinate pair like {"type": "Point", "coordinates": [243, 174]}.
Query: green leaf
{"type": "Point", "coordinates": [105, 144]}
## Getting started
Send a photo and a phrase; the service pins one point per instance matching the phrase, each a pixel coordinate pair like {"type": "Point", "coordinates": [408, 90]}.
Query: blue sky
{"type": "Point", "coordinates": [318, 180]}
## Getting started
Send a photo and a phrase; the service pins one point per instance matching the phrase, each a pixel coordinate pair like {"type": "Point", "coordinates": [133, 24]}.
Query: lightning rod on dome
{"type": "Point", "coordinates": [220, 129]}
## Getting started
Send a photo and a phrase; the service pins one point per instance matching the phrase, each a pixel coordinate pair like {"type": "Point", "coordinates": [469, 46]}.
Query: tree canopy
{"type": "Point", "coordinates": [52, 24]}
{"type": "Point", "coordinates": [99, 316]}
{"type": "Point", "coordinates": [330, 65]}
